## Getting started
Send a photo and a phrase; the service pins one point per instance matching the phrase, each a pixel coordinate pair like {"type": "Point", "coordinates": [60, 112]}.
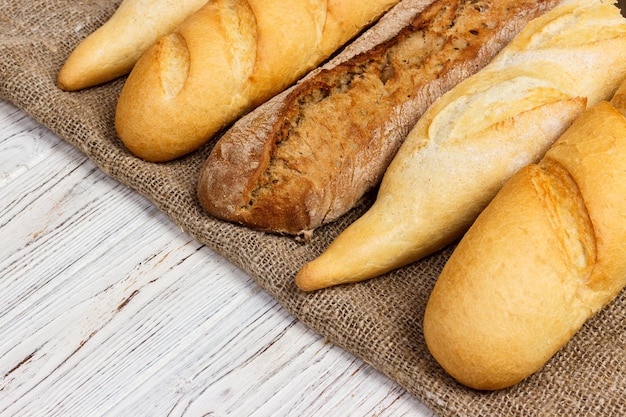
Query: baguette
{"type": "Point", "coordinates": [310, 154]}
{"type": "Point", "coordinates": [225, 59]}
{"type": "Point", "coordinates": [114, 48]}
{"type": "Point", "coordinates": [476, 136]}
{"type": "Point", "coordinates": [619, 99]}
{"type": "Point", "coordinates": [545, 256]}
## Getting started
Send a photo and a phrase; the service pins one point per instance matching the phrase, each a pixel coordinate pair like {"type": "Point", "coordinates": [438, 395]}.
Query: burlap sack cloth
{"type": "Point", "coordinates": [379, 321]}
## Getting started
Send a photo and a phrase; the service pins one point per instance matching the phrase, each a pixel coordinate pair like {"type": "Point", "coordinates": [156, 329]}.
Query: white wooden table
{"type": "Point", "coordinates": [107, 308]}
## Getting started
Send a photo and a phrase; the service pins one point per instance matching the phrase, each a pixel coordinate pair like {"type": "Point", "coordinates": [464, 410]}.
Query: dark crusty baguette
{"type": "Point", "coordinates": [310, 154]}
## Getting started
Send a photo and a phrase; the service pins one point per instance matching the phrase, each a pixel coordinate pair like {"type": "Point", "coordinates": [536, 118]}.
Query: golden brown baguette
{"type": "Point", "coordinates": [619, 99]}
{"type": "Point", "coordinates": [545, 255]}
{"type": "Point", "coordinates": [476, 136]}
{"type": "Point", "coordinates": [114, 48]}
{"type": "Point", "coordinates": [309, 155]}
{"type": "Point", "coordinates": [225, 59]}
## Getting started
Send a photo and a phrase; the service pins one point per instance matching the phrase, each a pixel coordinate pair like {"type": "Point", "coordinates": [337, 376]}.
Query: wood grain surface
{"type": "Point", "coordinates": [108, 309]}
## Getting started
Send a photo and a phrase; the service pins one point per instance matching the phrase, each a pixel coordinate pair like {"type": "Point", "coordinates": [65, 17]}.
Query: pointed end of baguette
{"type": "Point", "coordinates": [329, 270]}
{"type": "Point", "coordinates": [65, 81]}
{"type": "Point", "coordinates": [341, 263]}
{"type": "Point", "coordinates": [306, 279]}
{"type": "Point", "coordinates": [96, 60]}
{"type": "Point", "coordinates": [80, 71]}
{"type": "Point", "coordinates": [368, 248]}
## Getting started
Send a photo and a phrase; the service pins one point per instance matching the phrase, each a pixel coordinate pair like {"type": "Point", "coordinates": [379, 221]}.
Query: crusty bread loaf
{"type": "Point", "coordinates": [476, 136]}
{"type": "Point", "coordinates": [619, 99]}
{"type": "Point", "coordinates": [113, 49]}
{"type": "Point", "coordinates": [540, 260]}
{"type": "Point", "coordinates": [310, 154]}
{"type": "Point", "coordinates": [225, 59]}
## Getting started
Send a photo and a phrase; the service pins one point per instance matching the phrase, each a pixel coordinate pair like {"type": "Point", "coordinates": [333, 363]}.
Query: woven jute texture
{"type": "Point", "coordinates": [379, 321]}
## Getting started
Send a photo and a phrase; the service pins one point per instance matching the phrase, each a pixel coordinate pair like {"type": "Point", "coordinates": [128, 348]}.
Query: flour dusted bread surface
{"type": "Point", "coordinates": [114, 48]}
{"type": "Point", "coordinates": [476, 136]}
{"type": "Point", "coordinates": [225, 59]}
{"type": "Point", "coordinates": [543, 257]}
{"type": "Point", "coordinates": [309, 155]}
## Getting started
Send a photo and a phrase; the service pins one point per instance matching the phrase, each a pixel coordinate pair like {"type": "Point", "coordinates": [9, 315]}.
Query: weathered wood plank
{"type": "Point", "coordinates": [108, 308]}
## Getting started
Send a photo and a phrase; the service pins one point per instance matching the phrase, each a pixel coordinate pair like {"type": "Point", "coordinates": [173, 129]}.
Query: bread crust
{"type": "Point", "coordinates": [540, 260]}
{"type": "Point", "coordinates": [114, 48]}
{"type": "Point", "coordinates": [471, 140]}
{"type": "Point", "coordinates": [309, 155]}
{"type": "Point", "coordinates": [225, 59]}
